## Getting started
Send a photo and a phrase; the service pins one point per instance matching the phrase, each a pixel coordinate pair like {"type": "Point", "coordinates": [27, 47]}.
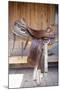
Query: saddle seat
{"type": "Point", "coordinates": [41, 34]}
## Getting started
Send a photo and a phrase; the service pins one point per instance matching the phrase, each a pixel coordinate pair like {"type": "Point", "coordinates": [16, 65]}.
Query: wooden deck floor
{"type": "Point", "coordinates": [23, 78]}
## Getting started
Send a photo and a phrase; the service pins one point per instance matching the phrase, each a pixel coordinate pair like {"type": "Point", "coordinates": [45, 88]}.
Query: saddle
{"type": "Point", "coordinates": [22, 28]}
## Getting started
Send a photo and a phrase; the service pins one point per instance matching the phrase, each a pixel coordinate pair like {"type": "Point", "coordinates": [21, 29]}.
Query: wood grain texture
{"type": "Point", "coordinates": [38, 16]}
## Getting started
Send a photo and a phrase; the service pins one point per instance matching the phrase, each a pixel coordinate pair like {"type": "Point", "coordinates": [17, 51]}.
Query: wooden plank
{"type": "Point", "coordinates": [20, 60]}
{"type": "Point", "coordinates": [52, 14]}
{"type": "Point", "coordinates": [28, 13]}
{"type": "Point", "coordinates": [17, 60]}
{"type": "Point", "coordinates": [32, 15]}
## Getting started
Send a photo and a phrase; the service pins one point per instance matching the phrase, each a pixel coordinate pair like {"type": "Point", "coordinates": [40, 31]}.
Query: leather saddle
{"type": "Point", "coordinates": [22, 28]}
